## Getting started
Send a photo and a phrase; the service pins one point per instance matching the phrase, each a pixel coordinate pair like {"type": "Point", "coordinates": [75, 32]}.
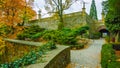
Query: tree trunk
{"type": "Point", "coordinates": [61, 24]}
{"type": "Point", "coordinates": [60, 13]}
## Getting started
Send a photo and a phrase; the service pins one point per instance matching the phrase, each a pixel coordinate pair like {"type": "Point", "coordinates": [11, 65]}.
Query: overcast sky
{"type": "Point", "coordinates": [74, 8]}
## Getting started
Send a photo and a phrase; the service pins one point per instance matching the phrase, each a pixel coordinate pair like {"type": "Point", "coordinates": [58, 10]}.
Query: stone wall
{"type": "Point", "coordinates": [61, 60]}
{"type": "Point", "coordinates": [71, 20]}
{"type": "Point", "coordinates": [58, 58]}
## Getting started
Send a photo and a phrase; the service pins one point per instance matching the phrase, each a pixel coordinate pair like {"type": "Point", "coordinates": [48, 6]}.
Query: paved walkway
{"type": "Point", "coordinates": [89, 57]}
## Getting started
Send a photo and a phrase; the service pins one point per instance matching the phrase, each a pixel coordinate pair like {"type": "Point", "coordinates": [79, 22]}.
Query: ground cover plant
{"type": "Point", "coordinates": [30, 57]}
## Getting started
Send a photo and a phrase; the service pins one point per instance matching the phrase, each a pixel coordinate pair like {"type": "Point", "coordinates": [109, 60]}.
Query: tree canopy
{"type": "Point", "coordinates": [112, 20]}
{"type": "Point", "coordinates": [13, 15]}
{"type": "Point", "coordinates": [113, 15]}
{"type": "Point", "coordinates": [57, 7]}
{"type": "Point", "coordinates": [15, 11]}
{"type": "Point", "coordinates": [93, 11]}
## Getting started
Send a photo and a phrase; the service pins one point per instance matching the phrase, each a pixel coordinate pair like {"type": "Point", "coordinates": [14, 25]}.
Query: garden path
{"type": "Point", "coordinates": [88, 57]}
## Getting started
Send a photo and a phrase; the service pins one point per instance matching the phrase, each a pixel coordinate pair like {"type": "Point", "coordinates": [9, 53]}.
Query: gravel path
{"type": "Point", "coordinates": [89, 57]}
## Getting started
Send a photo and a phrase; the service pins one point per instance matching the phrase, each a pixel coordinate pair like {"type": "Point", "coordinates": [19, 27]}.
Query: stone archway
{"type": "Point", "coordinates": [102, 29]}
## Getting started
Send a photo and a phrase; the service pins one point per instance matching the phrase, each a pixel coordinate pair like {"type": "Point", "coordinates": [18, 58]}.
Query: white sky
{"type": "Point", "coordinates": [74, 8]}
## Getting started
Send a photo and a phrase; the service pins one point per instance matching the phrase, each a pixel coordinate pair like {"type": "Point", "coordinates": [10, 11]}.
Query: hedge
{"type": "Point", "coordinates": [108, 57]}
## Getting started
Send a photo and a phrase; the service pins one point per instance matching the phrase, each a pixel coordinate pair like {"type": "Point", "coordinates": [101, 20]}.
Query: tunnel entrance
{"type": "Point", "coordinates": [104, 33]}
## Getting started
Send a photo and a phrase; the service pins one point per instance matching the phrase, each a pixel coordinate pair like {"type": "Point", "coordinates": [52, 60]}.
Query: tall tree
{"type": "Point", "coordinates": [27, 13]}
{"type": "Point", "coordinates": [93, 11]}
{"type": "Point", "coordinates": [113, 18]}
{"type": "Point", "coordinates": [12, 12]}
{"type": "Point", "coordinates": [58, 6]}
{"type": "Point", "coordinates": [105, 6]}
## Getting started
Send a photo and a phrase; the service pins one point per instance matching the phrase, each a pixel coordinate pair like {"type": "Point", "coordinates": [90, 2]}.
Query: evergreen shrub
{"type": "Point", "coordinates": [96, 35]}
{"type": "Point", "coordinates": [60, 37]}
{"type": "Point", "coordinates": [108, 57]}
{"type": "Point", "coordinates": [31, 32]}
{"type": "Point", "coordinates": [63, 36]}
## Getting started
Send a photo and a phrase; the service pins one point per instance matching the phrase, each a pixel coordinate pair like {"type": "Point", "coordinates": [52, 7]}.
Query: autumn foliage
{"type": "Point", "coordinates": [15, 13]}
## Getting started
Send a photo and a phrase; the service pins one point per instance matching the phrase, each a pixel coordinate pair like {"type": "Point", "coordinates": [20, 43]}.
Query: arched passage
{"type": "Point", "coordinates": [103, 31]}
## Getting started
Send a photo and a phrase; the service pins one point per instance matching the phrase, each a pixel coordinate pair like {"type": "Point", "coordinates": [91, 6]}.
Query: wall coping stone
{"type": "Point", "coordinates": [24, 42]}
{"type": "Point", "coordinates": [49, 57]}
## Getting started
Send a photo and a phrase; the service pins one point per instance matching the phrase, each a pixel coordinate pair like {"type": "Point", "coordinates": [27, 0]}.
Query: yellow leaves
{"type": "Point", "coordinates": [1, 24]}
{"type": "Point", "coordinates": [2, 45]}
{"type": "Point", "coordinates": [2, 42]}
{"type": "Point", "coordinates": [14, 11]}
{"type": "Point", "coordinates": [2, 29]}
{"type": "Point", "coordinates": [29, 13]}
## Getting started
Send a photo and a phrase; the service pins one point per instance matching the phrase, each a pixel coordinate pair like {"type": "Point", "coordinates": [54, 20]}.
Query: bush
{"type": "Point", "coordinates": [50, 45]}
{"type": "Point", "coordinates": [96, 35]}
{"type": "Point", "coordinates": [114, 65]}
{"type": "Point", "coordinates": [23, 36]}
{"type": "Point", "coordinates": [63, 36]}
{"type": "Point", "coordinates": [59, 37]}
{"type": "Point", "coordinates": [81, 30]}
{"type": "Point", "coordinates": [78, 46]}
{"type": "Point", "coordinates": [32, 32]}
{"type": "Point", "coordinates": [107, 39]}
{"type": "Point", "coordinates": [108, 56]}
{"type": "Point", "coordinates": [37, 35]}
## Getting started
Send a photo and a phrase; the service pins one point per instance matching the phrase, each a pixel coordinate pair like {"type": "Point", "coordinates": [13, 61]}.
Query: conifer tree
{"type": "Point", "coordinates": [93, 11]}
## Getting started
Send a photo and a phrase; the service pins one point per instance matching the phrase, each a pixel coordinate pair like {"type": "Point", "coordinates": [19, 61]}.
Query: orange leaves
{"type": "Point", "coordinates": [13, 12]}
{"type": "Point", "coordinates": [2, 45]}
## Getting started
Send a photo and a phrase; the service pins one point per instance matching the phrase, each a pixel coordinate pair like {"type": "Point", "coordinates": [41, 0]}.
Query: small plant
{"type": "Point", "coordinates": [79, 46]}
{"type": "Point", "coordinates": [96, 35]}
{"type": "Point", "coordinates": [50, 45]}
{"type": "Point", "coordinates": [107, 39]}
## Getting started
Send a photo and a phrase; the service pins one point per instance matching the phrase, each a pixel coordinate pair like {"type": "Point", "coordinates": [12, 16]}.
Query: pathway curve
{"type": "Point", "coordinates": [89, 57]}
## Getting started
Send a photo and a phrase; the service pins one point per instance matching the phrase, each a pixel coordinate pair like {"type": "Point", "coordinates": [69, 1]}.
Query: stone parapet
{"type": "Point", "coordinates": [58, 58]}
